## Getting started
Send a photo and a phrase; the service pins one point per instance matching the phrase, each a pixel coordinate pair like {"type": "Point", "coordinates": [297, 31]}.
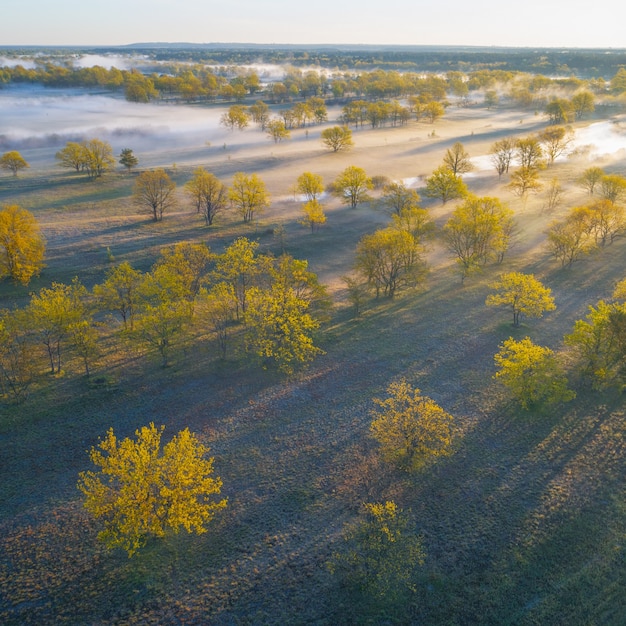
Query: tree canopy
{"type": "Point", "coordinates": [411, 429]}
{"type": "Point", "coordinates": [22, 246]}
{"type": "Point", "coordinates": [154, 191]}
{"type": "Point", "coordinates": [142, 489]}
{"type": "Point", "coordinates": [523, 294]}
{"type": "Point", "coordinates": [13, 161]}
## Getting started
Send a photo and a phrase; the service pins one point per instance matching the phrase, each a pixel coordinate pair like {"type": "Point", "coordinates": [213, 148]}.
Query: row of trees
{"type": "Point", "coordinates": [379, 113]}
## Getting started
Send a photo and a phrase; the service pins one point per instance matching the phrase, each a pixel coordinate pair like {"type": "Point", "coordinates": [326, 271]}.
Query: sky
{"type": "Point", "coordinates": [532, 23]}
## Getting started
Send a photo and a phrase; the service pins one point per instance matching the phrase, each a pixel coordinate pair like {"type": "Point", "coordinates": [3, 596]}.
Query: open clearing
{"type": "Point", "coordinates": [524, 524]}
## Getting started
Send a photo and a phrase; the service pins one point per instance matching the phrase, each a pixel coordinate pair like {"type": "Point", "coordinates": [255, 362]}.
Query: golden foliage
{"type": "Point", "coordinates": [21, 244]}
{"type": "Point", "coordinates": [141, 490]}
{"type": "Point", "coordinates": [411, 429]}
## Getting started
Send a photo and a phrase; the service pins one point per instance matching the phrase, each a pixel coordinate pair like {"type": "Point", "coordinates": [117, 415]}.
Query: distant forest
{"type": "Point", "coordinates": [583, 63]}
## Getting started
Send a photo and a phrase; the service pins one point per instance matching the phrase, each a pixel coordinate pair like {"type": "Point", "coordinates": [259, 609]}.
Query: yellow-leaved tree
{"type": "Point", "coordinates": [279, 327]}
{"type": "Point", "coordinates": [379, 561]}
{"type": "Point", "coordinates": [532, 373]}
{"type": "Point", "coordinates": [143, 490]}
{"type": "Point", "coordinates": [411, 429]}
{"type": "Point", "coordinates": [21, 244]}
{"type": "Point", "coordinates": [523, 294]}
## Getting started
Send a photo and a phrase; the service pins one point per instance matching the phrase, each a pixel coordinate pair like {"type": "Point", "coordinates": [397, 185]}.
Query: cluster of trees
{"type": "Point", "coordinates": [94, 157]}
{"type": "Point", "coordinates": [312, 110]}
{"type": "Point", "coordinates": [380, 113]}
{"type": "Point", "coordinates": [535, 375]}
{"type": "Point", "coordinates": [532, 154]}
{"type": "Point", "coordinates": [201, 83]}
{"type": "Point", "coordinates": [391, 258]}
{"type": "Point", "coordinates": [310, 186]}
{"type": "Point", "coordinates": [591, 226]}
{"type": "Point", "coordinates": [446, 182]}
{"type": "Point", "coordinates": [274, 305]}
{"type": "Point", "coordinates": [478, 232]}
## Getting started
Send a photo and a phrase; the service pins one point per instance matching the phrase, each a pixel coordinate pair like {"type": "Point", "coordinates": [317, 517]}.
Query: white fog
{"type": "Point", "coordinates": [38, 121]}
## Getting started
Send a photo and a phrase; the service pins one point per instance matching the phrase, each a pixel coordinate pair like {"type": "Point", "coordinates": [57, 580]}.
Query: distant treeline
{"type": "Point", "coordinates": [193, 81]}
{"type": "Point", "coordinates": [584, 63]}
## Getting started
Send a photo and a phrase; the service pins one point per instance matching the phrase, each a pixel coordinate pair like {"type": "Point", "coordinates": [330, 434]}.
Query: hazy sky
{"type": "Point", "coordinates": [575, 23]}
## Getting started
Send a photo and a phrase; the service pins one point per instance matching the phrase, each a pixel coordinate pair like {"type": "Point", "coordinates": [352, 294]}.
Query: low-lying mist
{"type": "Point", "coordinates": [41, 120]}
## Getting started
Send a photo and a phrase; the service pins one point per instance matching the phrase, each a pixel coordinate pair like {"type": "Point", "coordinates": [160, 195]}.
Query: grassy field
{"type": "Point", "coordinates": [524, 524]}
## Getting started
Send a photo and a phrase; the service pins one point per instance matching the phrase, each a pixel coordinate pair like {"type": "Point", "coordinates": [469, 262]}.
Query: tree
{"type": "Point", "coordinates": [412, 430]}
{"type": "Point", "coordinates": [378, 561]}
{"type": "Point", "coordinates": [523, 181]}
{"type": "Point", "coordinates": [187, 264]}
{"type": "Point", "coordinates": [444, 184]}
{"type": "Point", "coordinates": [154, 191]}
{"type": "Point", "coordinates": [560, 111]}
{"type": "Point", "coordinates": [160, 325]}
{"type": "Point", "coordinates": [83, 338]}
{"type": "Point", "coordinates": [314, 215]}
{"type": "Point", "coordinates": [457, 159]}
{"type": "Point", "coordinates": [51, 312]}
{"type": "Point", "coordinates": [18, 361]}
{"type": "Point", "coordinates": [529, 153]}
{"type": "Point", "coordinates": [209, 194]}
{"type": "Point", "coordinates": [531, 373]}
{"type": "Point", "coordinates": [260, 113]}
{"type": "Point", "coordinates": [415, 221]}
{"type": "Point", "coordinates": [607, 221]}
{"type": "Point", "coordinates": [337, 138]}
{"type": "Point", "coordinates": [613, 187]}
{"type": "Point", "coordinates": [119, 292]}
{"type": "Point", "coordinates": [248, 195]}
{"type": "Point", "coordinates": [553, 194]}
{"type": "Point", "coordinates": [13, 162]}
{"type": "Point", "coordinates": [22, 246]}
{"type": "Point", "coordinates": [310, 185]}
{"type": "Point", "coordinates": [236, 117]}
{"type": "Point", "coordinates": [276, 130]}
{"type": "Point", "coordinates": [388, 259]}
{"type": "Point", "coordinates": [217, 308]}
{"type": "Point", "coordinates": [396, 197]}
{"type": "Point", "coordinates": [352, 186]}
{"type": "Point", "coordinates": [239, 266]}
{"type": "Point", "coordinates": [72, 156]}
{"type": "Point", "coordinates": [289, 273]}
{"type": "Point", "coordinates": [569, 239]}
{"type": "Point", "coordinates": [318, 106]}
{"type": "Point", "coordinates": [128, 159]}
{"type": "Point", "coordinates": [555, 140]}
{"type": "Point", "coordinates": [583, 103]}
{"type": "Point", "coordinates": [98, 158]}
{"type": "Point", "coordinates": [600, 343]}
{"type": "Point", "coordinates": [523, 294]}
{"type": "Point", "coordinates": [279, 327]}
{"type": "Point", "coordinates": [143, 490]}
{"type": "Point", "coordinates": [357, 291]}
{"type": "Point", "coordinates": [432, 111]}
{"type": "Point", "coordinates": [590, 178]}
{"type": "Point", "coordinates": [502, 152]}
{"type": "Point", "coordinates": [618, 82]}
{"type": "Point", "coordinates": [478, 232]}
{"type": "Point", "coordinates": [491, 98]}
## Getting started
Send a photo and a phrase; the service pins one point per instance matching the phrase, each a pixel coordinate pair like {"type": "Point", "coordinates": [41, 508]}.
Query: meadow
{"type": "Point", "coordinates": [523, 524]}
